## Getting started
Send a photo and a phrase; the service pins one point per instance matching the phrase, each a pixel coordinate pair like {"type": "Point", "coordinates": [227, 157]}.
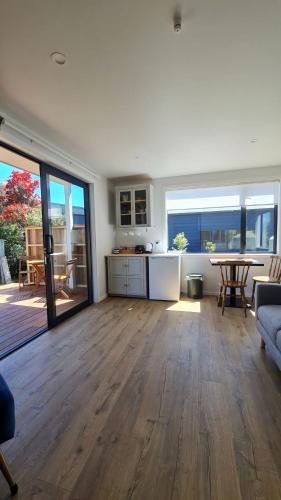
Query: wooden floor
{"type": "Point", "coordinates": [23, 313]}
{"type": "Point", "coordinates": [142, 400]}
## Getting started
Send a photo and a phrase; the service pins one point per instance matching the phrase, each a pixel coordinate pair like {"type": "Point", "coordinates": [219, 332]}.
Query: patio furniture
{"type": "Point", "coordinates": [26, 274]}
{"type": "Point", "coordinates": [62, 280]}
{"type": "Point", "coordinates": [39, 271]}
{"type": "Point", "coordinates": [239, 281]}
{"type": "Point", "coordinates": [7, 429]}
{"type": "Point", "coordinates": [232, 300]}
{"type": "Point", "coordinates": [274, 275]}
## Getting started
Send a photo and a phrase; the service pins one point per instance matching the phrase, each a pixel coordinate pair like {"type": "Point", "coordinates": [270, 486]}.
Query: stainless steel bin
{"type": "Point", "coordinates": [195, 285]}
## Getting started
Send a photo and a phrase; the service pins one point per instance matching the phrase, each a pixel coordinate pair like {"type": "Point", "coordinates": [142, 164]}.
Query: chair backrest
{"type": "Point", "coordinates": [275, 267]}
{"type": "Point", "coordinates": [70, 264]}
{"type": "Point", "coordinates": [241, 272]}
{"type": "Point", "coordinates": [23, 260]}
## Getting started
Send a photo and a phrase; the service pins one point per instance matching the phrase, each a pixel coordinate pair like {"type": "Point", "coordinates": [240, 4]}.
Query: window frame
{"type": "Point", "coordinates": [243, 229]}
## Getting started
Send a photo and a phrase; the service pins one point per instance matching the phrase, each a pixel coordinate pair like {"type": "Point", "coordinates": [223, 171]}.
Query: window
{"type": "Point", "coordinates": [231, 219]}
{"type": "Point", "coordinates": [260, 235]}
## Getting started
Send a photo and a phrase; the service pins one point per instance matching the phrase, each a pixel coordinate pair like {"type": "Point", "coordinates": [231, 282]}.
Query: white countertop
{"type": "Point", "coordinates": [153, 254]}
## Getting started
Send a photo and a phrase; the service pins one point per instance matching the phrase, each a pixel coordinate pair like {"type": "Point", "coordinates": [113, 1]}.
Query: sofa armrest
{"type": "Point", "coordinates": [7, 412]}
{"type": "Point", "coordinates": [268, 293]}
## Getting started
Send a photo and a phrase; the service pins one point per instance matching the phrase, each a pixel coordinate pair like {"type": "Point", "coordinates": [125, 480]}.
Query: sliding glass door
{"type": "Point", "coordinates": [66, 243]}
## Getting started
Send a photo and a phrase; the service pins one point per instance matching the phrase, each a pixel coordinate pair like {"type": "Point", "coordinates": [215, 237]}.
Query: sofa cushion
{"type": "Point", "coordinates": [278, 340]}
{"type": "Point", "coordinates": [7, 412]}
{"type": "Point", "coordinates": [270, 318]}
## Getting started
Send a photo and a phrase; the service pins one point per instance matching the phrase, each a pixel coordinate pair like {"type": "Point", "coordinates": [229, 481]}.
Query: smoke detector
{"type": "Point", "coordinates": [58, 58]}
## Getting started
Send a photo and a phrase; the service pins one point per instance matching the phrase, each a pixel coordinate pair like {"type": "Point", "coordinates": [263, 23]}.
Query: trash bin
{"type": "Point", "coordinates": [195, 286]}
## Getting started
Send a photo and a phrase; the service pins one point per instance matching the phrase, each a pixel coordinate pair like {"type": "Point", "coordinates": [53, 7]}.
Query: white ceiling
{"type": "Point", "coordinates": [136, 98]}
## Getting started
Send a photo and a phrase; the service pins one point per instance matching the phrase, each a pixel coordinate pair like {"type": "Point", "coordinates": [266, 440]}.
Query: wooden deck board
{"type": "Point", "coordinates": [22, 314]}
{"type": "Point", "coordinates": [136, 399]}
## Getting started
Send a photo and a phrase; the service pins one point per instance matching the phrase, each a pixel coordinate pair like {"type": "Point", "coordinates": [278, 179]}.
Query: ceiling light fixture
{"type": "Point", "coordinates": [58, 58]}
{"type": "Point", "coordinates": [253, 140]}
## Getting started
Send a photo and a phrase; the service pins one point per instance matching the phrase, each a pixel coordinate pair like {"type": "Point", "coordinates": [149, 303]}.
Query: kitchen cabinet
{"type": "Point", "coordinates": [134, 206]}
{"type": "Point", "coordinates": [127, 276]}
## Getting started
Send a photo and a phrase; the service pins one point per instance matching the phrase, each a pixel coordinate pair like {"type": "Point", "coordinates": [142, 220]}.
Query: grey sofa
{"type": "Point", "coordinates": [268, 318]}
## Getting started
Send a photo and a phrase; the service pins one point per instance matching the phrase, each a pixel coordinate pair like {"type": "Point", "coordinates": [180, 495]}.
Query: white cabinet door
{"type": "Point", "coordinates": [164, 277]}
{"type": "Point", "coordinates": [118, 266]}
{"type": "Point", "coordinates": [136, 286]}
{"type": "Point", "coordinates": [118, 285]}
{"type": "Point", "coordinates": [136, 266]}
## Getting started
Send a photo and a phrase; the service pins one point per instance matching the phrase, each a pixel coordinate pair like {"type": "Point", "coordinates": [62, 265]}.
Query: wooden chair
{"type": "Point", "coordinates": [240, 282]}
{"type": "Point", "coordinates": [61, 280]}
{"type": "Point", "coordinates": [26, 275]}
{"type": "Point", "coordinates": [274, 275]}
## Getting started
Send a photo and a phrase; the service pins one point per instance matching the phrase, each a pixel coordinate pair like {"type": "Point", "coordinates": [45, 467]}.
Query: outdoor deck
{"type": "Point", "coordinates": [23, 314]}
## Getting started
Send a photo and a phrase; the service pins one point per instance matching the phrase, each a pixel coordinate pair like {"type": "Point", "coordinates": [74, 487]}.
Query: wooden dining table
{"type": "Point", "coordinates": [39, 267]}
{"type": "Point", "coordinates": [232, 300]}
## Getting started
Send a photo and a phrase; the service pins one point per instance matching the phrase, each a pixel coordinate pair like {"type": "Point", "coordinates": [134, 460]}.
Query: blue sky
{"type": "Point", "coordinates": [56, 189]}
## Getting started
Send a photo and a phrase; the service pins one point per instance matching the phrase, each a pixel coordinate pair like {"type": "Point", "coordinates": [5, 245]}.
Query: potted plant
{"type": "Point", "coordinates": [210, 247]}
{"type": "Point", "coordinates": [180, 242]}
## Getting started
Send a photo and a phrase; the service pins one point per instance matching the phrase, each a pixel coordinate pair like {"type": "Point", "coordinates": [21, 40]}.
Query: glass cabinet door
{"type": "Point", "coordinates": [140, 207]}
{"type": "Point", "coordinates": [125, 208]}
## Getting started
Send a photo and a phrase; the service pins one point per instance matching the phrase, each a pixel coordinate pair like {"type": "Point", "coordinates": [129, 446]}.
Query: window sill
{"type": "Point", "coordinates": [225, 255]}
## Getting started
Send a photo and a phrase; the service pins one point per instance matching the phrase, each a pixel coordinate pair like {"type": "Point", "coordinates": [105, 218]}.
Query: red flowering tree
{"type": "Point", "coordinates": [18, 198]}
{"type": "Point", "coordinates": [19, 206]}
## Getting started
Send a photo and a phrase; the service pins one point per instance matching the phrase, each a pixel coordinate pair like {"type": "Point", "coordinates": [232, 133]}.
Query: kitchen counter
{"type": "Point", "coordinates": [170, 254]}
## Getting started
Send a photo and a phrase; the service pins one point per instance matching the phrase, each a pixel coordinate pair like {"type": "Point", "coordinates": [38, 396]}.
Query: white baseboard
{"type": "Point", "coordinates": [205, 292]}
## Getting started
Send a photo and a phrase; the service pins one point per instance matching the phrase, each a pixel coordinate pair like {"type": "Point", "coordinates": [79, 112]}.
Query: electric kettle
{"type": "Point", "coordinates": [148, 247]}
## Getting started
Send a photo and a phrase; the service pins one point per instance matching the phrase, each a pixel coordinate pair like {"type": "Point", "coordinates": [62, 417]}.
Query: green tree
{"type": "Point", "coordinates": [19, 207]}
{"type": "Point", "coordinates": [180, 242]}
{"type": "Point", "coordinates": [210, 246]}
{"type": "Point", "coordinates": [13, 235]}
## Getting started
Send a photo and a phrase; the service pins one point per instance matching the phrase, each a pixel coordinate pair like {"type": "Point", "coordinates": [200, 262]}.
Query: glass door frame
{"type": "Point", "coordinates": [68, 177]}
{"type": "Point", "coordinates": [45, 171]}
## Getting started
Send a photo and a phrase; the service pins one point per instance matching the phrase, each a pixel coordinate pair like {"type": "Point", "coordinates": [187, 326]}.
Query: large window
{"type": "Point", "coordinates": [226, 219]}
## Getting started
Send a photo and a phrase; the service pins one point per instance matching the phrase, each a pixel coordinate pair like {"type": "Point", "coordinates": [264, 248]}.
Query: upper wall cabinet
{"type": "Point", "coordinates": [134, 206]}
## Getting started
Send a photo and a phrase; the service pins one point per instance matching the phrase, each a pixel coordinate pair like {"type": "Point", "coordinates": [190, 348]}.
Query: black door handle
{"type": "Point", "coordinates": [49, 244]}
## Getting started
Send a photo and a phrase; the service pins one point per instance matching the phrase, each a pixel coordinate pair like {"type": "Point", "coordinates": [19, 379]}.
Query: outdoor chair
{"type": "Point", "coordinates": [62, 280]}
{"type": "Point", "coordinates": [26, 274]}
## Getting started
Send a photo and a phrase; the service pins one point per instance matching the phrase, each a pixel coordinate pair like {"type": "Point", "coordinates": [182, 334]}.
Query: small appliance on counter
{"type": "Point", "coordinates": [115, 250]}
{"type": "Point", "coordinates": [139, 249]}
{"type": "Point", "coordinates": [148, 247]}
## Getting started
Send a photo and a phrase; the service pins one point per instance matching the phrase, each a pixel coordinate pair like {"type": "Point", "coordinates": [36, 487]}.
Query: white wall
{"type": "Point", "coordinates": [102, 233]}
{"type": "Point", "coordinates": [198, 262]}
{"type": "Point", "coordinates": [194, 263]}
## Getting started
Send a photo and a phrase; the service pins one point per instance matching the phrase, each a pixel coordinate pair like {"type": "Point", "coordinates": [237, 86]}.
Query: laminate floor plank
{"type": "Point", "coordinates": [145, 400]}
